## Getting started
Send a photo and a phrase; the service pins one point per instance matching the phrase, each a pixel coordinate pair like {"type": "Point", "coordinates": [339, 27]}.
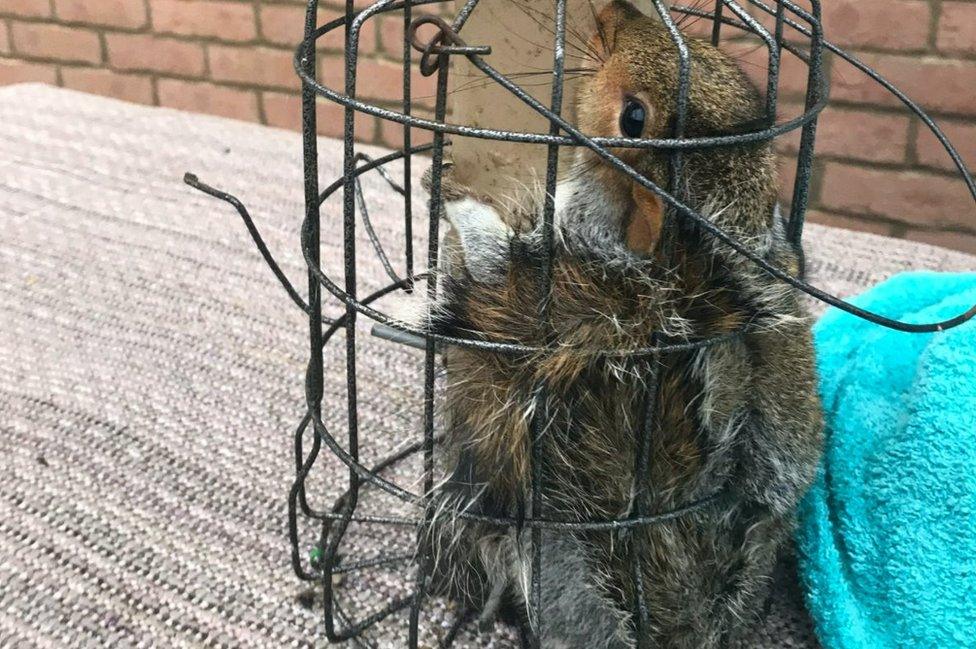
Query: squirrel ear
{"type": "Point", "coordinates": [644, 228]}
{"type": "Point", "coordinates": [483, 236]}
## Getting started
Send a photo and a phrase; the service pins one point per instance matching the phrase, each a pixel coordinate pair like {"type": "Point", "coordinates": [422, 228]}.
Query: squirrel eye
{"type": "Point", "coordinates": [632, 118]}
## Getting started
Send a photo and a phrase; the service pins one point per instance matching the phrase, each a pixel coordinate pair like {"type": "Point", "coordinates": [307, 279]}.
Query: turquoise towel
{"type": "Point", "coordinates": [887, 535]}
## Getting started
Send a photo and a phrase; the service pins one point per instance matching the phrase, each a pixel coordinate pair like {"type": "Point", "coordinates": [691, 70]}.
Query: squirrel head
{"type": "Point", "coordinates": [631, 90]}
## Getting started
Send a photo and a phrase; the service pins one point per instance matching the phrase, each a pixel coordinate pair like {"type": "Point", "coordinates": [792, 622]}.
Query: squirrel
{"type": "Point", "coordinates": [739, 416]}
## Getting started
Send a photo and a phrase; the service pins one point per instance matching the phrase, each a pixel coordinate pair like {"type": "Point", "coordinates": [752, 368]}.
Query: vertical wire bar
{"type": "Point", "coordinates": [717, 23]}
{"type": "Point", "coordinates": [804, 162]}
{"type": "Point", "coordinates": [642, 465]}
{"type": "Point", "coordinates": [437, 160]}
{"type": "Point", "coordinates": [297, 496]}
{"type": "Point", "coordinates": [780, 23]}
{"type": "Point", "coordinates": [314, 374]}
{"type": "Point", "coordinates": [552, 158]}
{"type": "Point", "coordinates": [681, 118]}
{"type": "Point", "coordinates": [778, 36]}
{"type": "Point", "coordinates": [407, 156]}
{"type": "Point", "coordinates": [671, 227]}
{"type": "Point", "coordinates": [314, 380]}
{"type": "Point", "coordinates": [772, 72]}
{"type": "Point", "coordinates": [349, 269]}
{"type": "Point", "coordinates": [540, 418]}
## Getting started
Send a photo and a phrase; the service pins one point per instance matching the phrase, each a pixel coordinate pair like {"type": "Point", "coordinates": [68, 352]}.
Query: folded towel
{"type": "Point", "coordinates": [887, 534]}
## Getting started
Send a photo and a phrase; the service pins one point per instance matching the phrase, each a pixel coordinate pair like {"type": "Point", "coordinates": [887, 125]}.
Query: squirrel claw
{"type": "Point", "coordinates": [450, 189]}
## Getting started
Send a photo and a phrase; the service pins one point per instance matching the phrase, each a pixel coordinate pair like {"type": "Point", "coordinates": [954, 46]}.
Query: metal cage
{"type": "Point", "coordinates": [793, 31]}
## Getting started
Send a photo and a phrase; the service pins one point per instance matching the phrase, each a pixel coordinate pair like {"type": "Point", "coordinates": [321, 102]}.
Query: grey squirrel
{"type": "Point", "coordinates": [741, 415]}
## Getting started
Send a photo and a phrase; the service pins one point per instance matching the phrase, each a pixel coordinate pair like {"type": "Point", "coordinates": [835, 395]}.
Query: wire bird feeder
{"type": "Point", "coordinates": [795, 32]}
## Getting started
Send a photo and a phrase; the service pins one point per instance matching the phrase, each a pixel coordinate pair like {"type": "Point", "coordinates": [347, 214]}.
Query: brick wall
{"type": "Point", "coordinates": [878, 169]}
{"type": "Point", "coordinates": [226, 57]}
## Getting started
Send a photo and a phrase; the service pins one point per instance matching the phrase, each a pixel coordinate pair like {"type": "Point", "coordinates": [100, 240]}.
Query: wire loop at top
{"type": "Point", "coordinates": [432, 49]}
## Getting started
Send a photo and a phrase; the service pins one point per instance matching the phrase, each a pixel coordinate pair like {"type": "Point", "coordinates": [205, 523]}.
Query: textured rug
{"type": "Point", "coordinates": [152, 377]}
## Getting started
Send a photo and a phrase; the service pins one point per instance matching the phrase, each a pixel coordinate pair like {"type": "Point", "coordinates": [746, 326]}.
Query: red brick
{"type": "Point", "coordinates": [14, 71]}
{"type": "Point", "coordinates": [285, 25]}
{"type": "Point", "coordinates": [229, 21]}
{"type": "Point", "coordinates": [937, 84]}
{"type": "Point", "coordinates": [754, 61]}
{"type": "Point", "coordinates": [786, 169]}
{"type": "Point", "coordinates": [962, 135]}
{"type": "Point", "coordinates": [887, 24]}
{"type": "Point", "coordinates": [850, 222]}
{"type": "Point", "coordinates": [155, 53]}
{"type": "Point", "coordinates": [905, 196]}
{"type": "Point", "coordinates": [423, 89]}
{"type": "Point", "coordinates": [391, 135]}
{"type": "Point", "coordinates": [957, 28]}
{"type": "Point", "coordinates": [259, 66]}
{"type": "Point", "coordinates": [282, 110]}
{"type": "Point", "coordinates": [896, 25]}
{"type": "Point", "coordinates": [391, 35]}
{"type": "Point", "coordinates": [768, 21]}
{"type": "Point", "coordinates": [374, 79]}
{"type": "Point", "coordinates": [201, 97]}
{"type": "Point", "coordinates": [285, 111]}
{"type": "Point", "coordinates": [26, 8]}
{"type": "Point", "coordinates": [378, 80]}
{"type": "Point", "coordinates": [127, 14]}
{"type": "Point", "coordinates": [56, 42]}
{"type": "Point", "coordinates": [129, 87]}
{"type": "Point", "coordinates": [854, 134]}
{"type": "Point", "coordinates": [962, 241]}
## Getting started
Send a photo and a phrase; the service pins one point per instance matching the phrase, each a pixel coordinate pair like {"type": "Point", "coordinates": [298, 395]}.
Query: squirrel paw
{"type": "Point", "coordinates": [451, 189]}
{"type": "Point", "coordinates": [483, 234]}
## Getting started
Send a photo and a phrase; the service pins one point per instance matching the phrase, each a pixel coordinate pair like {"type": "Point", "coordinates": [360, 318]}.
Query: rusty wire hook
{"type": "Point", "coordinates": [436, 45]}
